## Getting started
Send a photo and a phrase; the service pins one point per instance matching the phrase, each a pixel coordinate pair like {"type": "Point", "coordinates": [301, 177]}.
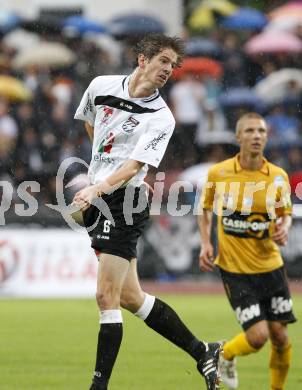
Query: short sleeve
{"type": "Point", "coordinates": [87, 110]}
{"type": "Point", "coordinates": [283, 199]}
{"type": "Point", "coordinates": [208, 192]}
{"type": "Point", "coordinates": [153, 143]}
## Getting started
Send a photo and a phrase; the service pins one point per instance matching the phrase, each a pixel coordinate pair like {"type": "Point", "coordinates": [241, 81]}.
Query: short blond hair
{"type": "Point", "coordinates": [248, 115]}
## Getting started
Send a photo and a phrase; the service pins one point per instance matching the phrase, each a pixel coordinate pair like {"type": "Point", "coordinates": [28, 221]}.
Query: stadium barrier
{"type": "Point", "coordinates": [59, 262]}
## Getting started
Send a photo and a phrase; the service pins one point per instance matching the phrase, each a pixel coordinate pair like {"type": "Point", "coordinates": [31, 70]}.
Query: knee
{"type": "Point", "coordinates": [108, 297]}
{"type": "Point", "coordinates": [131, 300]}
{"type": "Point", "coordinates": [259, 338]}
{"type": "Point", "coordinates": [279, 338]}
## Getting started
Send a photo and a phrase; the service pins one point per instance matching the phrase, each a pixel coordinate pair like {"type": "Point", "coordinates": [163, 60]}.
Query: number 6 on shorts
{"type": "Point", "coordinates": [107, 224]}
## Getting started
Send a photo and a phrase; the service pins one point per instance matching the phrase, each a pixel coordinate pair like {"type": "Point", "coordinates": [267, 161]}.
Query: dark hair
{"type": "Point", "coordinates": [248, 115]}
{"type": "Point", "coordinates": [153, 44]}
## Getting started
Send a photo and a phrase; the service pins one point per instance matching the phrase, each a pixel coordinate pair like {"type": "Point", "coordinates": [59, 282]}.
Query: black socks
{"type": "Point", "coordinates": [165, 321]}
{"type": "Point", "coordinates": [109, 341]}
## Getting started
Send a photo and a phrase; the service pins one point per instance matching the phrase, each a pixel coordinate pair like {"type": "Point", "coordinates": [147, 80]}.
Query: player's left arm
{"type": "Point", "coordinates": [84, 198]}
{"type": "Point", "coordinates": [282, 227]}
{"type": "Point", "coordinates": [284, 211]}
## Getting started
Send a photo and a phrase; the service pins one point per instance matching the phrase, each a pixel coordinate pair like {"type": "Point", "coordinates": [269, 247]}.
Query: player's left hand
{"type": "Point", "coordinates": [84, 198]}
{"type": "Point", "coordinates": [280, 235]}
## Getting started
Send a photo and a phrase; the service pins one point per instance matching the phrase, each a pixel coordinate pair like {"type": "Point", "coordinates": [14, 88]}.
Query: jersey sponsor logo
{"type": "Point", "coordinates": [104, 159]}
{"type": "Point", "coordinates": [108, 112]}
{"type": "Point", "coordinates": [246, 226]}
{"type": "Point", "coordinates": [248, 313]}
{"type": "Point", "coordinates": [106, 144]}
{"type": "Point", "coordinates": [130, 124]}
{"type": "Point", "coordinates": [281, 305]}
{"type": "Point", "coordinates": [156, 140]}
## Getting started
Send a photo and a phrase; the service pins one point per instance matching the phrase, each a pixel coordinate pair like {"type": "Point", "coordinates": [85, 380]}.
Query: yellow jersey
{"type": "Point", "coordinates": [247, 204]}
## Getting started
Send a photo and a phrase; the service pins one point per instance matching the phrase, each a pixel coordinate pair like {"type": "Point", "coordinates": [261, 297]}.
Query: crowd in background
{"type": "Point", "coordinates": [38, 134]}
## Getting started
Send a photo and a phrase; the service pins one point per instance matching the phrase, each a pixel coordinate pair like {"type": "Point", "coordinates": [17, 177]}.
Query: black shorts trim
{"type": "Point", "coordinates": [257, 297]}
{"type": "Point", "coordinates": [118, 233]}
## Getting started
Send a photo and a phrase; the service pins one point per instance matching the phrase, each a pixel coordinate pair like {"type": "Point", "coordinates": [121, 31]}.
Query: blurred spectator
{"type": "Point", "coordinates": [187, 99]}
{"type": "Point", "coordinates": [233, 59]}
{"type": "Point", "coordinates": [8, 137]}
{"type": "Point", "coordinates": [37, 135]}
{"type": "Point", "coordinates": [283, 126]}
{"type": "Point", "coordinates": [213, 120]}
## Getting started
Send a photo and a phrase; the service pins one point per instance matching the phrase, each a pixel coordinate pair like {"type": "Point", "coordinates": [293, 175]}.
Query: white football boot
{"type": "Point", "coordinates": [228, 373]}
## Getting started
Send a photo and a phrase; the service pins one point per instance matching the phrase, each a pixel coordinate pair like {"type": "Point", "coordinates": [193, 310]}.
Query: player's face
{"type": "Point", "coordinates": [159, 68]}
{"type": "Point", "coordinates": [252, 136]}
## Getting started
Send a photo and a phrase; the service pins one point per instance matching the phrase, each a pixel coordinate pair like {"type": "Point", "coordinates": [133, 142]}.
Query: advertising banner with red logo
{"type": "Point", "coordinates": [46, 263]}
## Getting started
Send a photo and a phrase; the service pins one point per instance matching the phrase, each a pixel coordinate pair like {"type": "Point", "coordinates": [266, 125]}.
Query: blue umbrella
{"type": "Point", "coordinates": [202, 47]}
{"type": "Point", "coordinates": [78, 25]}
{"type": "Point", "coordinates": [240, 97]}
{"type": "Point", "coordinates": [8, 21]}
{"type": "Point", "coordinates": [245, 18]}
{"type": "Point", "coordinates": [135, 24]}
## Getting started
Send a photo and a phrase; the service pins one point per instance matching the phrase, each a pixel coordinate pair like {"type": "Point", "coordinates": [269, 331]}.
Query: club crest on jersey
{"type": "Point", "coordinates": [108, 111]}
{"type": "Point", "coordinates": [129, 125]}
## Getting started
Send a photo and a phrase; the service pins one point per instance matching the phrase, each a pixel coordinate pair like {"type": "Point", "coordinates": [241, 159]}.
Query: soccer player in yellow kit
{"type": "Point", "coordinates": [251, 198]}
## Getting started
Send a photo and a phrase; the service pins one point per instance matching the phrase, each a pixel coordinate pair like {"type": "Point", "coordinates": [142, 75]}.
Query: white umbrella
{"type": "Point", "coordinates": [284, 24]}
{"type": "Point", "coordinates": [49, 54]}
{"type": "Point", "coordinates": [274, 87]}
{"type": "Point", "coordinates": [197, 174]}
{"type": "Point", "coordinates": [21, 39]}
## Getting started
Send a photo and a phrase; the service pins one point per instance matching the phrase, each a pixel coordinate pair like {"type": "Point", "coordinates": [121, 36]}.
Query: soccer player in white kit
{"type": "Point", "coordinates": [130, 126]}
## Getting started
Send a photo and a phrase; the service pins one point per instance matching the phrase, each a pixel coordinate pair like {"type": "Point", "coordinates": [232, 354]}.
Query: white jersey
{"type": "Point", "coordinates": [124, 127]}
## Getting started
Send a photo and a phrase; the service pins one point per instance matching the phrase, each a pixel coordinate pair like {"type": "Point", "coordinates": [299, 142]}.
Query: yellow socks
{"type": "Point", "coordinates": [238, 346]}
{"type": "Point", "coordinates": [279, 365]}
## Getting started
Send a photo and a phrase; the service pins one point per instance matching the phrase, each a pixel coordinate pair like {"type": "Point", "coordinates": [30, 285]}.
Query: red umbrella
{"type": "Point", "coordinates": [199, 66]}
{"type": "Point", "coordinates": [273, 42]}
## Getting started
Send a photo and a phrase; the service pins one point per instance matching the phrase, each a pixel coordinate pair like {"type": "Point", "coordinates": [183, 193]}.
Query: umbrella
{"type": "Point", "coordinates": [203, 17]}
{"type": "Point", "coordinates": [20, 39]}
{"type": "Point", "coordinates": [272, 42]}
{"type": "Point", "coordinates": [131, 25]}
{"type": "Point", "coordinates": [199, 66]}
{"type": "Point", "coordinates": [202, 47]}
{"type": "Point", "coordinates": [284, 24]}
{"type": "Point", "coordinates": [196, 174]}
{"type": "Point", "coordinates": [219, 137]}
{"type": "Point", "coordinates": [274, 88]}
{"type": "Point", "coordinates": [49, 54]}
{"type": "Point", "coordinates": [8, 21]}
{"type": "Point", "coordinates": [78, 25]}
{"type": "Point", "coordinates": [245, 18]}
{"type": "Point", "coordinates": [13, 89]}
{"type": "Point", "coordinates": [292, 9]}
{"type": "Point", "coordinates": [239, 97]}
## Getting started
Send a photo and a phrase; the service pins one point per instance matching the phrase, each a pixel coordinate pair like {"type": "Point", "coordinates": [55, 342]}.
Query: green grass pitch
{"type": "Point", "coordinates": [50, 344]}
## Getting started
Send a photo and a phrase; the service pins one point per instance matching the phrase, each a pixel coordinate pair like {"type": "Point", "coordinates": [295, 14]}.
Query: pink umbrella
{"type": "Point", "coordinates": [291, 9]}
{"type": "Point", "coordinates": [273, 42]}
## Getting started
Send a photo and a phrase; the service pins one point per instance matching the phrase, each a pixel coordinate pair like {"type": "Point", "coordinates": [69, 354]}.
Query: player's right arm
{"type": "Point", "coordinates": [206, 256]}
{"type": "Point", "coordinates": [90, 130]}
{"type": "Point", "coordinates": [86, 110]}
{"type": "Point", "coordinates": [204, 220]}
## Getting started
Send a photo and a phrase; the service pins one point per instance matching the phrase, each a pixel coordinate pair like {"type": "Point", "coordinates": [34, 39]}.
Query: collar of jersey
{"type": "Point", "coordinates": [238, 168]}
{"type": "Point", "coordinates": [125, 85]}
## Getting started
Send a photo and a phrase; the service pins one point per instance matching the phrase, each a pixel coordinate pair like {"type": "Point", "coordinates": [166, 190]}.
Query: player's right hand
{"type": "Point", "coordinates": [206, 258]}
